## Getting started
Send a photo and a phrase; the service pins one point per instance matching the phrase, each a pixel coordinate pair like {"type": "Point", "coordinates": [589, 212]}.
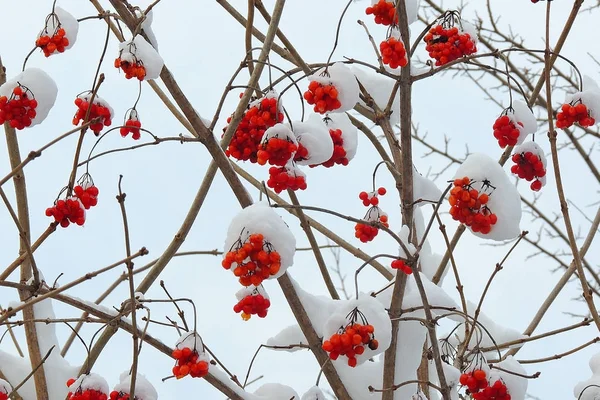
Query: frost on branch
{"type": "Point", "coordinates": [275, 391]}
{"type": "Point", "coordinates": [143, 388]}
{"type": "Point", "coordinates": [138, 59]}
{"type": "Point", "coordinates": [59, 32]}
{"type": "Point", "coordinates": [332, 89]}
{"type": "Point", "coordinates": [314, 141]}
{"type": "Point", "coordinates": [486, 177]}
{"type": "Point", "coordinates": [590, 389]}
{"type": "Point", "coordinates": [26, 99]}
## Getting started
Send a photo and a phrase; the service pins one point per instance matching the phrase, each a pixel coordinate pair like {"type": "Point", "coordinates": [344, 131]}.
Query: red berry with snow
{"type": "Point", "coordinates": [67, 211]}
{"type": "Point", "coordinates": [83, 394]}
{"type": "Point", "coordinates": [323, 97]}
{"type": "Point", "coordinates": [393, 53]}
{"type": "Point", "coordinates": [352, 339]}
{"type": "Point", "coordinates": [446, 43]}
{"type": "Point", "coordinates": [496, 391]}
{"type": "Point", "coordinates": [530, 167]}
{"type": "Point", "coordinates": [252, 260]}
{"type": "Point", "coordinates": [384, 12]}
{"type": "Point", "coordinates": [287, 177]}
{"type": "Point", "coordinates": [402, 266]}
{"type": "Point", "coordinates": [474, 381]}
{"type": "Point", "coordinates": [132, 125]}
{"type": "Point", "coordinates": [253, 304]}
{"type": "Point", "coordinates": [276, 151]}
{"type": "Point", "coordinates": [574, 112]}
{"type": "Point", "coordinates": [55, 42]}
{"type": "Point", "coordinates": [97, 110]}
{"type": "Point", "coordinates": [132, 69]}
{"type": "Point", "coordinates": [18, 109]}
{"type": "Point", "coordinates": [506, 131]}
{"type": "Point", "coordinates": [469, 206]}
{"type": "Point", "coordinates": [366, 233]}
{"type": "Point", "coordinates": [188, 362]}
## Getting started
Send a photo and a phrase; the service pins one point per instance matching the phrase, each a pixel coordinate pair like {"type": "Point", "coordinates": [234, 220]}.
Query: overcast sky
{"type": "Point", "coordinates": [203, 45]}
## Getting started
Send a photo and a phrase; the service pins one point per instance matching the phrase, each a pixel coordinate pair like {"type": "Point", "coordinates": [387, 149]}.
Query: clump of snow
{"type": "Point", "coordinates": [147, 26]}
{"type": "Point", "coordinates": [5, 387]}
{"type": "Point", "coordinates": [403, 235]}
{"type": "Point", "coordinates": [587, 390]}
{"type": "Point", "coordinates": [280, 131]}
{"type": "Point", "coordinates": [276, 391]}
{"type": "Point", "coordinates": [349, 132]}
{"type": "Point", "coordinates": [380, 89]}
{"type": "Point", "coordinates": [90, 382]}
{"type": "Point", "coordinates": [61, 19]}
{"type": "Point", "coordinates": [40, 86]}
{"type": "Point", "coordinates": [143, 388]}
{"type": "Point", "coordinates": [424, 189]}
{"type": "Point", "coordinates": [261, 218]}
{"type": "Point", "coordinates": [340, 76]}
{"type": "Point", "coordinates": [191, 340]}
{"type": "Point", "coordinates": [436, 296]}
{"type": "Point", "coordinates": [524, 115]}
{"type": "Point", "coordinates": [139, 51]}
{"type": "Point", "coordinates": [590, 96]}
{"type": "Point", "coordinates": [516, 385]}
{"type": "Point", "coordinates": [314, 393]}
{"type": "Point", "coordinates": [288, 336]}
{"type": "Point", "coordinates": [314, 136]}
{"type": "Point", "coordinates": [251, 290]}
{"type": "Point", "coordinates": [452, 375]}
{"type": "Point", "coordinates": [504, 198]}
{"type": "Point", "coordinates": [534, 148]}
{"type": "Point", "coordinates": [373, 313]}
{"type": "Point", "coordinates": [469, 28]}
{"type": "Point", "coordinates": [318, 308]}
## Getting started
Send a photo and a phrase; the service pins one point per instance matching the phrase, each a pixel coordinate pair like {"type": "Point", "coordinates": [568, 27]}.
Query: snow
{"type": "Point", "coordinates": [66, 21]}
{"type": "Point", "coordinates": [143, 388]}
{"type": "Point", "coordinates": [504, 200]}
{"type": "Point", "coordinates": [534, 148]}
{"type": "Point", "coordinates": [191, 340]}
{"type": "Point", "coordinates": [276, 391]}
{"type": "Point", "coordinates": [280, 131]}
{"type": "Point", "coordinates": [147, 27]}
{"type": "Point", "coordinates": [288, 336]}
{"type": "Point", "coordinates": [516, 385]}
{"type": "Point", "coordinates": [314, 393]}
{"type": "Point", "coordinates": [585, 390]}
{"type": "Point", "coordinates": [524, 115]}
{"type": "Point", "coordinates": [452, 375]}
{"type": "Point", "coordinates": [40, 84]}
{"type": "Point", "coordinates": [318, 308]}
{"type": "Point", "coordinates": [314, 135]}
{"type": "Point", "coordinates": [90, 382]}
{"type": "Point", "coordinates": [379, 88]}
{"type": "Point", "coordinates": [424, 189]}
{"type": "Point", "coordinates": [260, 218]}
{"type": "Point", "coordinates": [469, 28]}
{"type": "Point", "coordinates": [250, 290]}
{"type": "Point", "coordinates": [342, 122]}
{"type": "Point", "coordinates": [436, 296]}
{"type": "Point", "coordinates": [590, 96]}
{"type": "Point", "coordinates": [140, 51]}
{"type": "Point", "coordinates": [5, 387]}
{"type": "Point", "coordinates": [344, 81]}
{"type": "Point", "coordinates": [87, 95]}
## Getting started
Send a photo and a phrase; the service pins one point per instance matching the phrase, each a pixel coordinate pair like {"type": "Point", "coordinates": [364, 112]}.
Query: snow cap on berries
{"type": "Point", "coordinates": [591, 96]}
{"type": "Point", "coordinates": [342, 122]}
{"type": "Point", "coordinates": [41, 87]}
{"type": "Point", "coordinates": [276, 391]}
{"type": "Point", "coordinates": [344, 81]}
{"type": "Point", "coordinates": [143, 388]}
{"type": "Point", "coordinates": [534, 148]}
{"type": "Point", "coordinates": [504, 200]}
{"type": "Point", "coordinates": [509, 375]}
{"type": "Point", "coordinates": [190, 340]}
{"type": "Point", "coordinates": [314, 393]}
{"type": "Point", "coordinates": [138, 50]}
{"type": "Point", "coordinates": [261, 218]}
{"type": "Point", "coordinates": [5, 387]}
{"type": "Point", "coordinates": [147, 26]}
{"type": "Point", "coordinates": [250, 290]}
{"type": "Point", "coordinates": [424, 189]}
{"type": "Point", "coordinates": [314, 136]}
{"type": "Point", "coordinates": [66, 21]}
{"type": "Point", "coordinates": [380, 88]}
{"type": "Point", "coordinates": [90, 382]}
{"type": "Point", "coordinates": [586, 390]}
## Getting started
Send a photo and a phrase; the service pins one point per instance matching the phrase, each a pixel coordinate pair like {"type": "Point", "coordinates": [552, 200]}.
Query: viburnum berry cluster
{"type": "Point", "coordinates": [86, 191]}
{"type": "Point", "coordinates": [83, 394]}
{"type": "Point", "coordinates": [119, 395]}
{"type": "Point", "coordinates": [351, 339]}
{"type": "Point", "coordinates": [188, 362]}
{"type": "Point", "coordinates": [496, 391]}
{"type": "Point", "coordinates": [252, 260]}
{"type": "Point", "coordinates": [54, 43]}
{"type": "Point", "coordinates": [474, 380]}
{"type": "Point", "coordinates": [574, 112]}
{"type": "Point", "coordinates": [98, 109]}
{"type": "Point", "coordinates": [132, 125]}
{"type": "Point", "coordinates": [529, 166]}
{"type": "Point", "coordinates": [339, 155]}
{"type": "Point", "coordinates": [286, 177]}
{"type": "Point", "coordinates": [469, 206]}
{"type": "Point", "coordinates": [260, 115]}
{"type": "Point", "coordinates": [252, 301]}
{"type": "Point", "coordinates": [506, 130]}
{"type": "Point", "coordinates": [323, 97]}
{"type": "Point", "coordinates": [393, 52]}
{"type": "Point", "coordinates": [371, 198]}
{"type": "Point", "coordinates": [278, 146]}
{"type": "Point", "coordinates": [366, 233]}
{"type": "Point", "coordinates": [67, 211]}
{"type": "Point", "coordinates": [132, 66]}
{"type": "Point", "coordinates": [402, 266]}
{"type": "Point", "coordinates": [19, 108]}
{"type": "Point", "coordinates": [445, 42]}
{"type": "Point", "coordinates": [3, 396]}
{"type": "Point", "coordinates": [384, 12]}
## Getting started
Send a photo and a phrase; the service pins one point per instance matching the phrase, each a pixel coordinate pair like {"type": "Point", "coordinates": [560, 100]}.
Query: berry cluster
{"type": "Point", "coordinates": [52, 44]}
{"type": "Point", "coordinates": [371, 199]}
{"type": "Point", "coordinates": [97, 110]}
{"type": "Point", "coordinates": [384, 12]}
{"type": "Point", "coordinates": [287, 177]}
{"type": "Point", "coordinates": [570, 114]}
{"type": "Point", "coordinates": [252, 260]}
{"type": "Point", "coordinates": [276, 151]}
{"type": "Point", "coordinates": [506, 131]}
{"type": "Point", "coordinates": [470, 207]}
{"type": "Point", "coordinates": [339, 152]}
{"type": "Point", "coordinates": [393, 53]}
{"type": "Point", "coordinates": [252, 304]}
{"type": "Point", "coordinates": [187, 362]}
{"type": "Point", "coordinates": [133, 69]}
{"type": "Point", "coordinates": [365, 233]}
{"type": "Point", "coordinates": [301, 153]}
{"type": "Point", "coordinates": [350, 340]}
{"type": "Point", "coordinates": [448, 44]}
{"type": "Point", "coordinates": [257, 119]}
{"type": "Point", "coordinates": [496, 391]}
{"type": "Point", "coordinates": [114, 395]}
{"type": "Point", "coordinates": [87, 195]}
{"type": "Point", "coordinates": [529, 166]}
{"type": "Point", "coordinates": [19, 109]}
{"type": "Point", "coordinates": [402, 266]}
{"type": "Point", "coordinates": [3, 396]}
{"type": "Point", "coordinates": [132, 125]}
{"type": "Point", "coordinates": [474, 381]}
{"type": "Point", "coordinates": [323, 97]}
{"type": "Point", "coordinates": [80, 394]}
{"type": "Point", "coordinates": [67, 211]}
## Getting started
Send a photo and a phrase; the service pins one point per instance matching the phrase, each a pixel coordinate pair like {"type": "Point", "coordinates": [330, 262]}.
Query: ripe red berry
{"type": "Point", "coordinates": [52, 40]}
{"type": "Point", "coordinates": [393, 53]}
{"type": "Point", "coordinates": [323, 97]}
{"type": "Point", "coordinates": [384, 12]}
{"type": "Point", "coordinates": [470, 207]}
{"type": "Point", "coordinates": [99, 109]}
{"type": "Point", "coordinates": [446, 43]}
{"type": "Point", "coordinates": [574, 112]}
{"type": "Point", "coordinates": [19, 109]}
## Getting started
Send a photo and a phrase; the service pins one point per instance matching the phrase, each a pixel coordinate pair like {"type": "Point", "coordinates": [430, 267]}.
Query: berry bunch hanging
{"type": "Point", "coordinates": [252, 259]}
{"type": "Point", "coordinates": [351, 339]}
{"type": "Point", "coordinates": [402, 266]}
{"type": "Point", "coordinates": [366, 233]}
{"type": "Point", "coordinates": [495, 391]}
{"type": "Point", "coordinates": [393, 52]}
{"type": "Point", "coordinates": [469, 206]}
{"type": "Point", "coordinates": [384, 12]}
{"type": "Point", "coordinates": [277, 147]}
{"type": "Point", "coordinates": [344, 137]}
{"type": "Point", "coordinates": [286, 177]}
{"type": "Point", "coordinates": [260, 115]}
{"type": "Point", "coordinates": [57, 42]}
{"type": "Point", "coordinates": [475, 380]}
{"type": "Point", "coordinates": [19, 108]}
{"type": "Point", "coordinates": [530, 164]}
{"type": "Point", "coordinates": [67, 211]}
{"type": "Point", "coordinates": [574, 112]}
{"type": "Point", "coordinates": [98, 109]}
{"type": "Point", "coordinates": [87, 387]}
{"type": "Point", "coordinates": [253, 300]}
{"type": "Point", "coordinates": [132, 125]}
{"type": "Point", "coordinates": [332, 89]}
{"type": "Point", "coordinates": [86, 191]}
{"type": "Point", "coordinates": [506, 130]}
{"type": "Point", "coordinates": [59, 32]}
{"type": "Point", "coordinates": [371, 198]}
{"type": "Point", "coordinates": [130, 64]}
{"type": "Point", "coordinates": [323, 97]}
{"type": "Point", "coordinates": [188, 362]}
{"type": "Point", "coordinates": [449, 40]}
{"type": "Point", "coordinates": [139, 59]}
